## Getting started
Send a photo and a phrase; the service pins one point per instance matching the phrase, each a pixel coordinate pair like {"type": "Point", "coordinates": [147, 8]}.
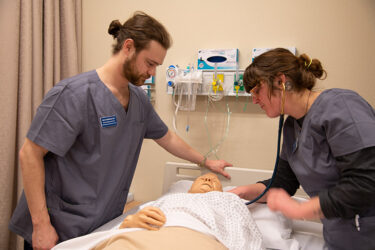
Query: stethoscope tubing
{"type": "Point", "coordinates": [281, 123]}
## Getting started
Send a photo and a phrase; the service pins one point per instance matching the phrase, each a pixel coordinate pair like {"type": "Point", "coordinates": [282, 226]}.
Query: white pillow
{"type": "Point", "coordinates": [181, 186]}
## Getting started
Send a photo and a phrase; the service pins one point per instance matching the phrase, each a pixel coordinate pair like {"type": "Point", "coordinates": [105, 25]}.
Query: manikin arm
{"type": "Point", "coordinates": [32, 166]}
{"type": "Point", "coordinates": [151, 218]}
{"type": "Point", "coordinates": [176, 146]}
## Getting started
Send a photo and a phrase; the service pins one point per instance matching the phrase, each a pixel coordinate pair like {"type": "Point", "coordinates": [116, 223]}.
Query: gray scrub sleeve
{"type": "Point", "coordinates": [155, 127]}
{"type": "Point", "coordinates": [349, 123]}
{"type": "Point", "coordinates": [57, 121]}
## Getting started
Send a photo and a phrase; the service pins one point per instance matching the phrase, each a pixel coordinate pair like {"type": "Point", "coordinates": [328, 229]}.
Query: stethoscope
{"type": "Point", "coordinates": [281, 122]}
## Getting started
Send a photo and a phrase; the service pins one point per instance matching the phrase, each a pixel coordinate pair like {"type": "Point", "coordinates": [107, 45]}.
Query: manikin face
{"type": "Point", "coordinates": [206, 183]}
{"type": "Point", "coordinates": [142, 65]}
{"type": "Point", "coordinates": [272, 106]}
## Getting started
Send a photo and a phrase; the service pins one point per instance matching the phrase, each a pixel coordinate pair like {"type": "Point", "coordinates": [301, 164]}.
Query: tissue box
{"type": "Point", "coordinates": [230, 54]}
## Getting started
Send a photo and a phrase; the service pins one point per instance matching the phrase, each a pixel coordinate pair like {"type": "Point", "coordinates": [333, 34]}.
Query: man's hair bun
{"type": "Point", "coordinates": [114, 28]}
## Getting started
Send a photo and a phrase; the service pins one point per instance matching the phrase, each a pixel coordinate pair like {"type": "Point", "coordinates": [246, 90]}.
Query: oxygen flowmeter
{"type": "Point", "coordinates": [172, 72]}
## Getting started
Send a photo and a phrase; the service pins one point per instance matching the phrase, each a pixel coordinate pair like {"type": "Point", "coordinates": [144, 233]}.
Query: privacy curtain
{"type": "Point", "coordinates": [40, 44]}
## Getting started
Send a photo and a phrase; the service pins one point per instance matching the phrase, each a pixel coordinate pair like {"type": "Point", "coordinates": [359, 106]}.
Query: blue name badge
{"type": "Point", "coordinates": [108, 121]}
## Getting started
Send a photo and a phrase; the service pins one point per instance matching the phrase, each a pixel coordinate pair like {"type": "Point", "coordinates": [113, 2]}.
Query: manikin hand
{"type": "Point", "coordinates": [218, 167]}
{"type": "Point", "coordinates": [151, 218]}
{"type": "Point", "coordinates": [279, 200]}
{"type": "Point", "coordinates": [44, 237]}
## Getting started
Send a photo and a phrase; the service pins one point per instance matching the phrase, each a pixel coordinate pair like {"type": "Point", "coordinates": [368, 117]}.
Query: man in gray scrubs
{"type": "Point", "coordinates": [81, 151]}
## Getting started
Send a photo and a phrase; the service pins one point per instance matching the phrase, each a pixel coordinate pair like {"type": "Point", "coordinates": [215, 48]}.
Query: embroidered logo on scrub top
{"type": "Point", "coordinates": [108, 121]}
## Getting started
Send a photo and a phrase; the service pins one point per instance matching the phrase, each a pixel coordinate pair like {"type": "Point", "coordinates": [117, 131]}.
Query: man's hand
{"type": "Point", "coordinates": [44, 236]}
{"type": "Point", "coordinates": [151, 218]}
{"type": "Point", "coordinates": [176, 146]}
{"type": "Point", "coordinates": [218, 167]}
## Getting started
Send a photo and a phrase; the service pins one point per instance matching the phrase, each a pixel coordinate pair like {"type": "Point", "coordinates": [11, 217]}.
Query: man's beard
{"type": "Point", "coordinates": [131, 73]}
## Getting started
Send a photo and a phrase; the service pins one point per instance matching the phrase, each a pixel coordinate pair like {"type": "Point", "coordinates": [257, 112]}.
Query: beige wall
{"type": "Point", "coordinates": [340, 33]}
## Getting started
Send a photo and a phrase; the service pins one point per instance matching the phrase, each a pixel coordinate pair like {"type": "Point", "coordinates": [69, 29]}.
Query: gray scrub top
{"type": "Point", "coordinates": [94, 145]}
{"type": "Point", "coordinates": [338, 123]}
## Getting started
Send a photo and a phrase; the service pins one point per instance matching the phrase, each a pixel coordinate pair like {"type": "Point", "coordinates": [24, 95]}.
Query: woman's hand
{"type": "Point", "coordinates": [151, 218]}
{"type": "Point", "coordinates": [279, 200]}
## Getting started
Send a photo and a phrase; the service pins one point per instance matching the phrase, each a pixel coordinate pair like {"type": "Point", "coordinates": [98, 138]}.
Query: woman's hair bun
{"type": "Point", "coordinates": [114, 28]}
{"type": "Point", "coordinates": [313, 66]}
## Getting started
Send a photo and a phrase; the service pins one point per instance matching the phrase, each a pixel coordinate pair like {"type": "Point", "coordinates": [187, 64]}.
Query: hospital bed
{"type": "Point", "coordinates": [278, 232]}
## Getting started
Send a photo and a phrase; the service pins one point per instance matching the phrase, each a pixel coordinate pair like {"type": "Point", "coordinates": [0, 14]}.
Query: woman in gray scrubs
{"type": "Point", "coordinates": [328, 149]}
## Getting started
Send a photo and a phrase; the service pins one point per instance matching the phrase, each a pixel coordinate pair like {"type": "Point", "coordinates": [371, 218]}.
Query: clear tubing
{"type": "Point", "coordinates": [214, 149]}
{"type": "Point", "coordinates": [189, 93]}
{"type": "Point", "coordinates": [189, 90]}
{"type": "Point", "coordinates": [178, 87]}
{"type": "Point", "coordinates": [207, 130]}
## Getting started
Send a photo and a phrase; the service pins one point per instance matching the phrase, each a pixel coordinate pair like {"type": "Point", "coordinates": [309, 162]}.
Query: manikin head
{"type": "Point", "coordinates": [206, 183]}
{"type": "Point", "coordinates": [144, 43]}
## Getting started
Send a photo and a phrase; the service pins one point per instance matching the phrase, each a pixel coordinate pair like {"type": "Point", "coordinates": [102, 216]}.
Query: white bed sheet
{"type": "Point", "coordinates": [278, 232]}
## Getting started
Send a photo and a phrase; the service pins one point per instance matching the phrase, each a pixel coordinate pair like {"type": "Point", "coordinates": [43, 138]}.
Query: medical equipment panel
{"type": "Point", "coordinates": [231, 81]}
{"type": "Point", "coordinates": [219, 75]}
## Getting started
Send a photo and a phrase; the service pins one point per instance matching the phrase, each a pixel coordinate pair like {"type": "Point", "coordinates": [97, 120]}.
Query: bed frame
{"type": "Point", "coordinates": [175, 171]}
